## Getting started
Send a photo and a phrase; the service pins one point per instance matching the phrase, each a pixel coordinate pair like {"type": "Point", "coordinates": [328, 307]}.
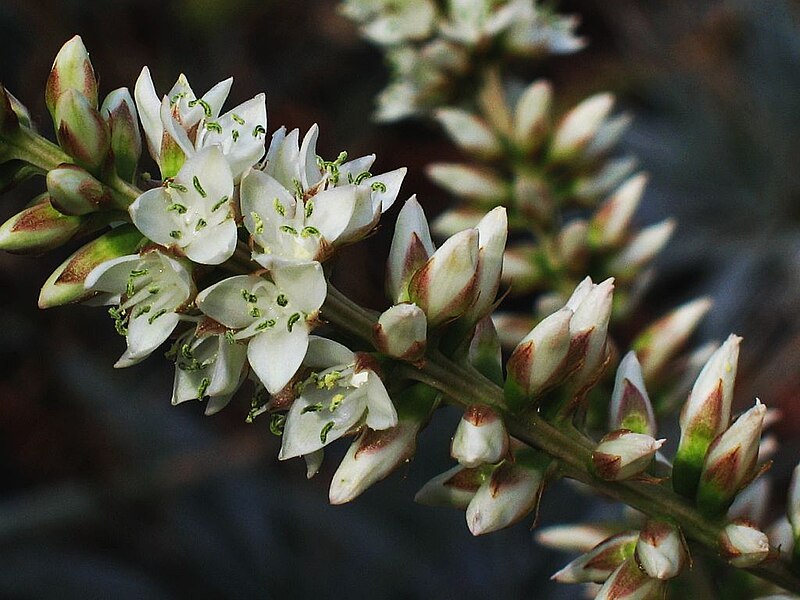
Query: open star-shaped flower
{"type": "Point", "coordinates": [339, 395]}
{"type": "Point", "coordinates": [192, 212]}
{"type": "Point", "coordinates": [272, 315]}
{"type": "Point", "coordinates": [150, 289]}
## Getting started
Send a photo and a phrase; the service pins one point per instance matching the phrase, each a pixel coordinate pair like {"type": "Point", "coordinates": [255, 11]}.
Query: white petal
{"type": "Point", "coordinates": [112, 275]}
{"type": "Point", "coordinates": [324, 353]}
{"type": "Point", "coordinates": [227, 374]}
{"type": "Point", "coordinates": [241, 138]}
{"type": "Point", "coordinates": [214, 244]}
{"type": "Point", "coordinates": [353, 168]}
{"type": "Point", "coordinates": [217, 403]}
{"type": "Point", "coordinates": [392, 180]}
{"type": "Point", "coordinates": [207, 171]}
{"type": "Point", "coordinates": [145, 336]}
{"type": "Point", "coordinates": [314, 462]}
{"type": "Point", "coordinates": [283, 158]}
{"type": "Point", "coordinates": [174, 129]}
{"type": "Point", "coordinates": [304, 284]}
{"type": "Point", "coordinates": [309, 171]}
{"type": "Point", "coordinates": [276, 354]}
{"type": "Point", "coordinates": [222, 300]}
{"type": "Point", "coordinates": [380, 410]}
{"type": "Point", "coordinates": [333, 210]}
{"type": "Point", "coordinates": [151, 215]}
{"type": "Point", "coordinates": [149, 108]}
{"type": "Point", "coordinates": [215, 97]}
{"type": "Point", "coordinates": [258, 193]}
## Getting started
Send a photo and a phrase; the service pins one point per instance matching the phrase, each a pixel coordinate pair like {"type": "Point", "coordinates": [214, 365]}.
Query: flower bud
{"type": "Point", "coordinates": [492, 235]}
{"type": "Point", "coordinates": [622, 454]}
{"type": "Point", "coordinates": [579, 126]}
{"type": "Point", "coordinates": [599, 562]}
{"type": "Point", "coordinates": [469, 132]}
{"type": "Point", "coordinates": [75, 192]}
{"type": "Point", "coordinates": [659, 343]}
{"type": "Point", "coordinates": [445, 286]}
{"type": "Point", "coordinates": [592, 306]}
{"type": "Point", "coordinates": [9, 121]}
{"type": "Point", "coordinates": [534, 197]}
{"type": "Point", "coordinates": [743, 545]}
{"type": "Point", "coordinates": [475, 184]}
{"type": "Point", "coordinates": [38, 228]}
{"type": "Point", "coordinates": [531, 115]}
{"type": "Point", "coordinates": [456, 219]}
{"type": "Point", "coordinates": [730, 462]}
{"type": "Point", "coordinates": [661, 550]}
{"type": "Point", "coordinates": [454, 488]}
{"type": "Point", "coordinates": [629, 582]}
{"type": "Point", "coordinates": [512, 491]}
{"type": "Point", "coordinates": [65, 285]}
{"type": "Point", "coordinates": [401, 332]}
{"type": "Point", "coordinates": [642, 248]}
{"type": "Point", "coordinates": [705, 415]}
{"type": "Point", "coordinates": [411, 248]}
{"type": "Point", "coordinates": [753, 501]}
{"type": "Point", "coordinates": [484, 351]}
{"type": "Point", "coordinates": [72, 70]}
{"type": "Point", "coordinates": [119, 111]}
{"type": "Point", "coordinates": [630, 405]}
{"type": "Point", "coordinates": [540, 359]}
{"type": "Point", "coordinates": [611, 221]}
{"type": "Point", "coordinates": [781, 537]}
{"type": "Point", "coordinates": [522, 270]}
{"type": "Point", "coordinates": [81, 130]}
{"type": "Point", "coordinates": [611, 175]}
{"type": "Point", "coordinates": [512, 327]}
{"type": "Point", "coordinates": [574, 538]}
{"type": "Point", "coordinates": [480, 438]}
{"type": "Point", "coordinates": [492, 101]}
{"type": "Point", "coordinates": [370, 458]}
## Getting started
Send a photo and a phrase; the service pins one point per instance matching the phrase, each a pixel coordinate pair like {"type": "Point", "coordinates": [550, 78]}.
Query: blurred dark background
{"type": "Point", "coordinates": [108, 491]}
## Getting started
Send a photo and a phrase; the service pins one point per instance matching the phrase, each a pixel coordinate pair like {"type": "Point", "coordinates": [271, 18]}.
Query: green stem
{"type": "Point", "coordinates": [463, 386]}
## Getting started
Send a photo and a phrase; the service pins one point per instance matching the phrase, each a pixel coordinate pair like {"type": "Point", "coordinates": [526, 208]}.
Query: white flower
{"type": "Point", "coordinates": [181, 124]}
{"type": "Point", "coordinates": [149, 289]}
{"type": "Point", "coordinates": [339, 395]}
{"type": "Point", "coordinates": [286, 230]}
{"type": "Point", "coordinates": [208, 364]}
{"type": "Point", "coordinates": [193, 211]}
{"type": "Point", "coordinates": [297, 168]}
{"type": "Point", "coordinates": [272, 315]}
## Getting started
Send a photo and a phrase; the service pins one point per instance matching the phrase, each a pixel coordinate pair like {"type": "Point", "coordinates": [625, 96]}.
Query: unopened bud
{"type": "Point", "coordinates": [611, 222]}
{"type": "Point", "coordinates": [743, 545]}
{"type": "Point", "coordinates": [492, 235]}
{"type": "Point", "coordinates": [81, 130]}
{"type": "Point", "coordinates": [8, 118]}
{"type": "Point", "coordinates": [539, 360]}
{"type": "Point", "coordinates": [401, 332]}
{"type": "Point", "coordinates": [571, 243]}
{"type": "Point", "coordinates": [730, 462]}
{"type": "Point", "coordinates": [512, 491]}
{"type": "Point", "coordinates": [450, 222]}
{"type": "Point", "coordinates": [534, 197]}
{"type": "Point", "coordinates": [75, 192]}
{"type": "Point", "coordinates": [454, 488]}
{"type": "Point", "coordinates": [484, 351]}
{"type": "Point", "coordinates": [478, 185]}
{"type": "Point", "coordinates": [521, 269]}
{"type": "Point", "coordinates": [469, 132]}
{"type": "Point", "coordinates": [37, 229]}
{"type": "Point", "coordinates": [592, 306]}
{"type": "Point", "coordinates": [445, 286]}
{"type": "Point", "coordinates": [753, 502]}
{"type": "Point", "coordinates": [599, 562]}
{"type": "Point", "coordinates": [630, 405]}
{"type": "Point", "coordinates": [65, 285]}
{"type": "Point", "coordinates": [607, 136]}
{"type": "Point", "coordinates": [492, 101]}
{"type": "Point", "coordinates": [480, 438]}
{"type": "Point", "coordinates": [659, 343]}
{"type": "Point", "coordinates": [705, 415]}
{"type": "Point", "coordinates": [629, 582]}
{"type": "Point", "coordinates": [622, 454]}
{"type": "Point", "coordinates": [411, 248]}
{"type": "Point", "coordinates": [72, 70]}
{"type": "Point", "coordinates": [661, 550]}
{"type": "Point", "coordinates": [580, 125]}
{"type": "Point", "coordinates": [119, 111]}
{"type": "Point", "coordinates": [532, 114]}
{"type": "Point", "coordinates": [370, 458]}
{"type": "Point", "coordinates": [610, 176]}
{"type": "Point", "coordinates": [574, 538]}
{"type": "Point", "coordinates": [642, 248]}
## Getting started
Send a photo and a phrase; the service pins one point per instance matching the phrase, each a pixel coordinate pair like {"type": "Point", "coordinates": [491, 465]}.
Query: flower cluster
{"type": "Point", "coordinates": [430, 47]}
